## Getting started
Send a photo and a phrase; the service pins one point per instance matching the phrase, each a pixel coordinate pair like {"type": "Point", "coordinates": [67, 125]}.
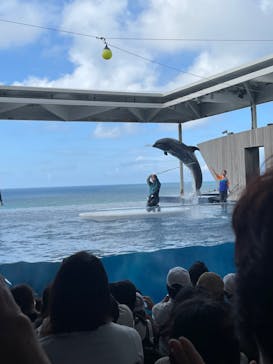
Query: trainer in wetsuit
{"type": "Point", "coordinates": [154, 187]}
{"type": "Point", "coordinates": [223, 185]}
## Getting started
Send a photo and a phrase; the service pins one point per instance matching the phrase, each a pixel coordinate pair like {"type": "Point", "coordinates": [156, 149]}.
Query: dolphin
{"type": "Point", "coordinates": [185, 154]}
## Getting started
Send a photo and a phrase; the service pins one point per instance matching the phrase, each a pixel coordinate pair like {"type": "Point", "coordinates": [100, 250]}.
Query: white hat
{"type": "Point", "coordinates": [229, 283]}
{"type": "Point", "coordinates": [178, 275]}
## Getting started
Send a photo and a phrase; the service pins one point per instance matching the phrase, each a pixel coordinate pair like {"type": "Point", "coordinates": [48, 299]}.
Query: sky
{"type": "Point", "coordinates": [47, 154]}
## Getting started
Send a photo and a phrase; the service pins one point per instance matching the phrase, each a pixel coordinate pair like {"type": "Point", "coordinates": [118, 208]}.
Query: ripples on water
{"type": "Point", "coordinates": [50, 232]}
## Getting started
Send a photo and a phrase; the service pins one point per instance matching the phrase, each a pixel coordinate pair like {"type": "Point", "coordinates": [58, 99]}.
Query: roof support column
{"type": "Point", "coordinates": [253, 116]}
{"type": "Point", "coordinates": [180, 162]}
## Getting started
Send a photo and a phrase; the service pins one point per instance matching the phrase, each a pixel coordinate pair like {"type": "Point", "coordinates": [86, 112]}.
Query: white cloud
{"type": "Point", "coordinates": [160, 19]}
{"type": "Point", "coordinates": [266, 6]}
{"type": "Point", "coordinates": [196, 124]}
{"type": "Point", "coordinates": [28, 12]}
{"type": "Point", "coordinates": [106, 131]}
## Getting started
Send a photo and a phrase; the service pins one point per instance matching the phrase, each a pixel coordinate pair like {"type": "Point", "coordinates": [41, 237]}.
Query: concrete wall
{"type": "Point", "coordinates": [232, 153]}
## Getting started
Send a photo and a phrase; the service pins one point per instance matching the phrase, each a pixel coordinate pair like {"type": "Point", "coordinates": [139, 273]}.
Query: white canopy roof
{"type": "Point", "coordinates": [235, 89]}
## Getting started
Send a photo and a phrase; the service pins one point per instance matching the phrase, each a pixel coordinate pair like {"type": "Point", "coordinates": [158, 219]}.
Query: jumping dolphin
{"type": "Point", "coordinates": [185, 154]}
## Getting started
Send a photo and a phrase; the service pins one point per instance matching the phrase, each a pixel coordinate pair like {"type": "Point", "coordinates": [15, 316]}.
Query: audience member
{"type": "Point", "coordinates": [229, 286]}
{"type": "Point", "coordinates": [80, 316]}
{"type": "Point", "coordinates": [124, 292]}
{"type": "Point", "coordinates": [18, 342]}
{"type": "Point", "coordinates": [144, 326]}
{"type": "Point", "coordinates": [196, 270]}
{"type": "Point", "coordinates": [212, 284]}
{"type": "Point", "coordinates": [253, 226]}
{"type": "Point", "coordinates": [42, 323]}
{"type": "Point", "coordinates": [24, 297]}
{"type": "Point", "coordinates": [209, 326]}
{"type": "Point", "coordinates": [177, 279]}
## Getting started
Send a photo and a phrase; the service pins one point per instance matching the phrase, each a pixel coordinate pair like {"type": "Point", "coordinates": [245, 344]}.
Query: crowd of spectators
{"type": "Point", "coordinates": [203, 318]}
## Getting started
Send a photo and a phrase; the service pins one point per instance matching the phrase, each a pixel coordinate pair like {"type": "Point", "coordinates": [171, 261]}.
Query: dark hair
{"type": "Point", "coordinates": [80, 298]}
{"type": "Point", "coordinates": [114, 309]}
{"type": "Point", "coordinates": [24, 297]}
{"type": "Point", "coordinates": [189, 293]}
{"type": "Point", "coordinates": [209, 326]}
{"type": "Point", "coordinates": [45, 301]}
{"type": "Point", "coordinates": [253, 226]}
{"type": "Point", "coordinates": [196, 270]}
{"type": "Point", "coordinates": [124, 292]}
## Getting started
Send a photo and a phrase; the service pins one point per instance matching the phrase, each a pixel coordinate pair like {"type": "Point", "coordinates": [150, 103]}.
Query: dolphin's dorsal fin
{"type": "Point", "coordinates": [192, 148]}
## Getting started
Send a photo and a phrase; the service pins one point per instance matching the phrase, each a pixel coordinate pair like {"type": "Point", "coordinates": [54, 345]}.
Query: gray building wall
{"type": "Point", "coordinates": [239, 155]}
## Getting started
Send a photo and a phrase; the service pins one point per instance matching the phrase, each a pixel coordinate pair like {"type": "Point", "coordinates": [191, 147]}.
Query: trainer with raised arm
{"type": "Point", "coordinates": [154, 188]}
{"type": "Point", "coordinates": [223, 184]}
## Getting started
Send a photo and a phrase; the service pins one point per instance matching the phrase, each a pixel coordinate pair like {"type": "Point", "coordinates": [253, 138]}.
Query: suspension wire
{"type": "Point", "coordinates": [137, 38]}
{"type": "Point", "coordinates": [104, 39]}
{"type": "Point", "coordinates": [191, 39]}
{"type": "Point", "coordinates": [51, 29]}
{"type": "Point", "coordinates": [153, 61]}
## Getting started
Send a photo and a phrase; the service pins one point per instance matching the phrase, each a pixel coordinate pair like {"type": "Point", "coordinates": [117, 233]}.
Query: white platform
{"type": "Point", "coordinates": [133, 213]}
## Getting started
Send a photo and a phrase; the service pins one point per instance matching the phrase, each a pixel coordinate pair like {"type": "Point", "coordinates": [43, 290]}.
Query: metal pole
{"type": "Point", "coordinates": [253, 116]}
{"type": "Point", "coordinates": [180, 162]}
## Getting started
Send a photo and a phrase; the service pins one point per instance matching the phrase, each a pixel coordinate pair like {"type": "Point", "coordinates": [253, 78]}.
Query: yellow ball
{"type": "Point", "coordinates": [106, 53]}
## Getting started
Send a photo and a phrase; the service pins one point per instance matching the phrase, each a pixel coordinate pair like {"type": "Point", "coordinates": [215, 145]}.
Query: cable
{"type": "Point", "coordinates": [134, 38]}
{"type": "Point", "coordinates": [140, 39]}
{"type": "Point", "coordinates": [51, 29]}
{"type": "Point", "coordinates": [191, 39]}
{"type": "Point", "coordinates": [153, 61]}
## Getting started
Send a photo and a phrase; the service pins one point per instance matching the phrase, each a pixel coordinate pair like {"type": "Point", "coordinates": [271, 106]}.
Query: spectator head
{"type": "Point", "coordinates": [253, 226]}
{"type": "Point", "coordinates": [24, 297]}
{"type": "Point", "coordinates": [209, 326]}
{"type": "Point", "coordinates": [140, 304]}
{"type": "Point", "coordinates": [211, 283]}
{"type": "Point", "coordinates": [229, 284]}
{"type": "Point", "coordinates": [124, 292]}
{"type": "Point", "coordinates": [196, 270]}
{"type": "Point", "coordinates": [80, 298]}
{"type": "Point", "coordinates": [177, 278]}
{"type": "Point", "coordinates": [189, 292]}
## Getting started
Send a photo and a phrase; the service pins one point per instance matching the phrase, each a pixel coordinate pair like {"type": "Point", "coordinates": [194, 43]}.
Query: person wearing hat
{"type": "Point", "coordinates": [177, 279]}
{"type": "Point", "coordinates": [229, 286]}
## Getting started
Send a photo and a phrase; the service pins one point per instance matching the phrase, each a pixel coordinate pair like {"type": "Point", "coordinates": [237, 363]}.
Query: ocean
{"type": "Point", "coordinates": [42, 225]}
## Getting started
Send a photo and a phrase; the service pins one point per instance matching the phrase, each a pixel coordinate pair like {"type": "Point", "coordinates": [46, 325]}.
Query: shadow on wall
{"type": "Point", "coordinates": [146, 270]}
